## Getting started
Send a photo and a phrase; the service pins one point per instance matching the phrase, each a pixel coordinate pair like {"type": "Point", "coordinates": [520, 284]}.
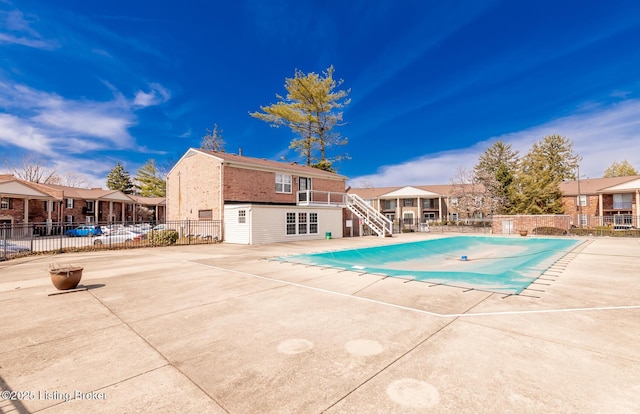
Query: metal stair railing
{"type": "Point", "coordinates": [377, 221]}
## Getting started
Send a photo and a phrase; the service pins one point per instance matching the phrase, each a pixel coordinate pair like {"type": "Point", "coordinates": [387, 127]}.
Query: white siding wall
{"type": "Point", "coordinates": [235, 232]}
{"type": "Point", "coordinates": [267, 224]}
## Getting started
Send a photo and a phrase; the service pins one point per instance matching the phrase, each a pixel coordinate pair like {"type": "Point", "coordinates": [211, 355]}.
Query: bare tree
{"type": "Point", "coordinates": [34, 168]}
{"type": "Point", "coordinates": [469, 196]}
{"type": "Point", "coordinates": [212, 140]}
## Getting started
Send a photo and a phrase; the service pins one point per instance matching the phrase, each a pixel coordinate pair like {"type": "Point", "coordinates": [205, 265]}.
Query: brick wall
{"type": "Point", "coordinates": [193, 185]}
{"type": "Point", "coordinates": [530, 222]}
{"type": "Point", "coordinates": [260, 186]}
{"type": "Point", "coordinates": [254, 186]}
{"type": "Point", "coordinates": [571, 208]}
{"type": "Point", "coordinates": [15, 212]}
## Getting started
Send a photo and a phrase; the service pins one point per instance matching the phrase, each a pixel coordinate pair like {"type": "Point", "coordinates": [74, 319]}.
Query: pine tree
{"type": "Point", "coordinates": [496, 171]}
{"type": "Point", "coordinates": [312, 109]}
{"type": "Point", "coordinates": [120, 179]}
{"type": "Point", "coordinates": [547, 163]}
{"type": "Point", "coordinates": [149, 181]}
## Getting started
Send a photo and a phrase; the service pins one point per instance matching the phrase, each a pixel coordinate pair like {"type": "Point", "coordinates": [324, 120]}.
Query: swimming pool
{"type": "Point", "coordinates": [496, 264]}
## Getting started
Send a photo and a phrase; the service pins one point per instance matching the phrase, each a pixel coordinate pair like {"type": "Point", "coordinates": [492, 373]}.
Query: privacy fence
{"type": "Point", "coordinates": [33, 238]}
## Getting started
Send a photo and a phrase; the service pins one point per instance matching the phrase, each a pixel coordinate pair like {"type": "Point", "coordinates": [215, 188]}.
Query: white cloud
{"type": "Point", "coordinates": [13, 131]}
{"type": "Point", "coordinates": [156, 96]}
{"type": "Point", "coordinates": [65, 130]}
{"type": "Point", "coordinates": [21, 31]}
{"type": "Point", "coordinates": [601, 135]}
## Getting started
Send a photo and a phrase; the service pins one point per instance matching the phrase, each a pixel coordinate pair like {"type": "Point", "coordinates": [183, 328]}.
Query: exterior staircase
{"type": "Point", "coordinates": [381, 225]}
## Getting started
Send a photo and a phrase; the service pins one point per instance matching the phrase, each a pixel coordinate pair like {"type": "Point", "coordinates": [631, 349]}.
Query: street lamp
{"type": "Point", "coordinates": [579, 200]}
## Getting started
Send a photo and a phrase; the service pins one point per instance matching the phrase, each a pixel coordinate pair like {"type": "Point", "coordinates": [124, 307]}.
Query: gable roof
{"type": "Point", "coordinates": [410, 191]}
{"type": "Point", "coordinates": [242, 161]}
{"type": "Point", "coordinates": [87, 193]}
{"type": "Point", "coordinates": [149, 201]}
{"type": "Point", "coordinates": [425, 191]}
{"type": "Point", "coordinates": [10, 185]}
{"type": "Point", "coordinates": [594, 185]}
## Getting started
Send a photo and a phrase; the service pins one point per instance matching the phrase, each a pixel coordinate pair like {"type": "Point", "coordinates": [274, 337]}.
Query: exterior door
{"type": "Point", "coordinates": [507, 227]}
{"type": "Point", "coordinates": [304, 184]}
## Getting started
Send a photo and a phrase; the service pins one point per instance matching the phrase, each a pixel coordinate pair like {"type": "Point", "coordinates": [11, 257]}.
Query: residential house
{"type": "Point", "coordinates": [18, 198]}
{"type": "Point", "coordinates": [48, 208]}
{"type": "Point", "coordinates": [257, 200]}
{"type": "Point", "coordinates": [611, 201]}
{"type": "Point", "coordinates": [410, 206]}
{"type": "Point", "coordinates": [149, 208]}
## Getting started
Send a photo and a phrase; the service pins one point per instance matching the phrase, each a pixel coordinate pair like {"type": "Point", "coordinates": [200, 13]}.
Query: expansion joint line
{"type": "Point", "coordinates": [424, 312]}
{"type": "Point", "coordinates": [168, 362]}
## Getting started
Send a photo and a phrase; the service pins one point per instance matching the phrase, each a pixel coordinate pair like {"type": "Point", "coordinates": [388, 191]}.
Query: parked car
{"type": "Point", "coordinates": [11, 248]}
{"type": "Point", "coordinates": [119, 236]}
{"type": "Point", "coordinates": [111, 228]}
{"type": "Point", "coordinates": [143, 227]}
{"type": "Point", "coordinates": [84, 231]}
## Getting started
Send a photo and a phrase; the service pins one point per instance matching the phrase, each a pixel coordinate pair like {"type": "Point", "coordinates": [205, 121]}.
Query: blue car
{"type": "Point", "coordinates": [83, 231]}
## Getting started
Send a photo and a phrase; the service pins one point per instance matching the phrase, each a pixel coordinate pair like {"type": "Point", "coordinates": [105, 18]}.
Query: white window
{"type": "Point", "coordinates": [313, 223]}
{"type": "Point", "coordinates": [283, 183]}
{"type": "Point", "coordinates": [69, 219]}
{"type": "Point", "coordinates": [89, 206]}
{"type": "Point", "coordinates": [582, 219]}
{"type": "Point", "coordinates": [582, 200]}
{"type": "Point", "coordinates": [89, 219]}
{"type": "Point", "coordinates": [454, 201]}
{"type": "Point", "coordinates": [302, 223]}
{"type": "Point", "coordinates": [390, 216]}
{"type": "Point", "coordinates": [242, 216]}
{"type": "Point", "coordinates": [69, 202]}
{"type": "Point", "coordinates": [407, 218]}
{"type": "Point", "coordinates": [291, 223]}
{"type": "Point", "coordinates": [408, 202]}
{"type": "Point", "coordinates": [4, 204]}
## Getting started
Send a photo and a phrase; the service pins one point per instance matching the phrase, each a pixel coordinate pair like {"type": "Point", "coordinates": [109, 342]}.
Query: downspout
{"type": "Point", "coordinates": [250, 223]}
{"type": "Point", "coordinates": [637, 224]}
{"type": "Point", "coordinates": [221, 201]}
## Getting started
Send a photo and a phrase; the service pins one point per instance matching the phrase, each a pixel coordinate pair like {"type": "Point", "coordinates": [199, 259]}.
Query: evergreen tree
{"type": "Point", "coordinates": [312, 109]}
{"type": "Point", "coordinates": [149, 180]}
{"type": "Point", "coordinates": [120, 179]}
{"type": "Point", "coordinates": [620, 169]}
{"type": "Point", "coordinates": [547, 163]}
{"type": "Point", "coordinates": [496, 171]}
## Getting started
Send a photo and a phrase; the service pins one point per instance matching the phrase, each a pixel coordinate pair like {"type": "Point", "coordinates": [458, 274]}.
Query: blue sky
{"type": "Point", "coordinates": [433, 83]}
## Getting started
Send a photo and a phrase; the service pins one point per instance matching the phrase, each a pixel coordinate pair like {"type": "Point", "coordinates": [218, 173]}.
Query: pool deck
{"type": "Point", "coordinates": [222, 329]}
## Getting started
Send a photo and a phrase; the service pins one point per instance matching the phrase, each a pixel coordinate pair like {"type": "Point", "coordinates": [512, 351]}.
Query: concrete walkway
{"type": "Point", "coordinates": [220, 329]}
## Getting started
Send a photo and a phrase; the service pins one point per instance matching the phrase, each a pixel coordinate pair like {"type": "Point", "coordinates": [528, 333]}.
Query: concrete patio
{"type": "Point", "coordinates": [221, 329]}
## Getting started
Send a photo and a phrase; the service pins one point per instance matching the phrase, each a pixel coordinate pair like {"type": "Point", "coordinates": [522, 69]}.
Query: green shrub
{"type": "Point", "coordinates": [162, 237]}
{"type": "Point", "coordinates": [549, 231]}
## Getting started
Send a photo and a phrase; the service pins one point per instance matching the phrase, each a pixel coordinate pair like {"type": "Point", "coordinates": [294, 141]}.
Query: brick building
{"type": "Point", "coordinates": [257, 200]}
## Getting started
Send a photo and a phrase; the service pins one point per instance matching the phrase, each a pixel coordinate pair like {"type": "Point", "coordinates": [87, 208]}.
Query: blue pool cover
{"type": "Point", "coordinates": [497, 264]}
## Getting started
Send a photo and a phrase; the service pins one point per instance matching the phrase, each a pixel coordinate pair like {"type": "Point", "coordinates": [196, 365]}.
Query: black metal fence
{"type": "Point", "coordinates": [550, 225]}
{"type": "Point", "coordinates": [33, 238]}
